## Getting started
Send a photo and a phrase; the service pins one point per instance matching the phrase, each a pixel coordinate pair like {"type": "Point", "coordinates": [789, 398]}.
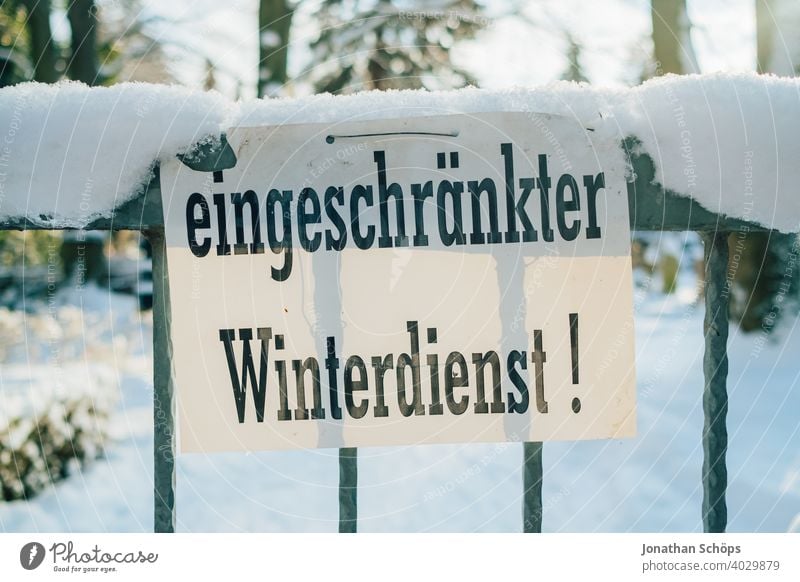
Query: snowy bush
{"type": "Point", "coordinates": [58, 388]}
{"type": "Point", "coordinates": [36, 450]}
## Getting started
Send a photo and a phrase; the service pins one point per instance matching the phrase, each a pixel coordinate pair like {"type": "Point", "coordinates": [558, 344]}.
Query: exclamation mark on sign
{"type": "Point", "coordinates": [573, 342]}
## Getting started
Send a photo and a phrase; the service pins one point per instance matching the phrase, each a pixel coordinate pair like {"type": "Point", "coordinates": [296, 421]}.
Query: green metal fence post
{"type": "Point", "coordinates": [163, 393]}
{"type": "Point", "coordinates": [348, 490]}
{"type": "Point", "coordinates": [715, 394]}
{"type": "Point", "coordinates": [532, 487]}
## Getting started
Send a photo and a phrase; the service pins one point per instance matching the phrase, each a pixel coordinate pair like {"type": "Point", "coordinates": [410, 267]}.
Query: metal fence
{"type": "Point", "coordinates": [651, 208]}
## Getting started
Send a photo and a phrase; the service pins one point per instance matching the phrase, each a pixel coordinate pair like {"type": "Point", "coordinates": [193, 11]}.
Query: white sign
{"type": "Point", "coordinates": [440, 279]}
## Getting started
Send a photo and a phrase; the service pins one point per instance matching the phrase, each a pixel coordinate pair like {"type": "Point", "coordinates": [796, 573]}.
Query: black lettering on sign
{"type": "Point", "coordinates": [404, 361]}
{"type": "Point", "coordinates": [475, 188]}
{"type": "Point", "coordinates": [194, 223]}
{"type": "Point", "coordinates": [452, 191]}
{"type": "Point", "coordinates": [573, 342]}
{"type": "Point", "coordinates": [283, 243]}
{"type": "Point", "coordinates": [515, 358]}
{"type": "Point", "coordinates": [481, 360]}
{"type": "Point", "coordinates": [351, 385]}
{"type": "Point", "coordinates": [248, 375]}
{"type": "Point", "coordinates": [223, 248]}
{"type": "Point", "coordinates": [453, 379]}
{"type": "Point", "coordinates": [363, 241]}
{"type": "Point", "coordinates": [300, 368]}
{"type": "Point", "coordinates": [239, 380]}
{"type": "Point", "coordinates": [315, 220]}
{"type": "Point", "coordinates": [543, 183]}
{"type": "Point", "coordinates": [384, 192]}
{"type": "Point", "coordinates": [381, 366]}
{"type": "Point", "coordinates": [239, 200]}
{"type": "Point", "coordinates": [334, 194]}
{"type": "Point", "coordinates": [593, 185]}
{"type": "Point", "coordinates": [564, 205]}
{"type": "Point", "coordinates": [420, 192]}
{"type": "Point", "coordinates": [306, 217]}
{"type": "Point", "coordinates": [332, 364]}
{"type": "Point", "coordinates": [436, 407]}
{"type": "Point", "coordinates": [539, 357]}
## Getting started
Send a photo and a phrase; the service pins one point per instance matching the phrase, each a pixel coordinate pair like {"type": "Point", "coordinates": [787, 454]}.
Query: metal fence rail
{"type": "Point", "coordinates": [651, 208]}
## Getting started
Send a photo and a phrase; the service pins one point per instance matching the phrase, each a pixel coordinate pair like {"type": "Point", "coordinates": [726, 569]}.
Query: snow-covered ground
{"type": "Point", "coordinates": [650, 483]}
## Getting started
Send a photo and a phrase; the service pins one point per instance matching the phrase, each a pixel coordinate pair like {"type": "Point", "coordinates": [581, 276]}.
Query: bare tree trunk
{"type": "Point", "coordinates": [274, 25]}
{"type": "Point", "coordinates": [776, 37]}
{"type": "Point", "coordinates": [765, 34]}
{"type": "Point", "coordinates": [380, 78]}
{"type": "Point", "coordinates": [672, 44]}
{"type": "Point", "coordinates": [83, 66]}
{"type": "Point", "coordinates": [83, 257]}
{"type": "Point", "coordinates": [43, 50]}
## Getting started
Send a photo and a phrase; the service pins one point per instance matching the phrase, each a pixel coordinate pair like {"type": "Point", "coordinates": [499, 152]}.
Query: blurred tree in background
{"type": "Point", "coordinates": [104, 45]}
{"type": "Point", "coordinates": [758, 271]}
{"type": "Point", "coordinates": [762, 282]}
{"type": "Point", "coordinates": [274, 26]}
{"type": "Point", "coordinates": [574, 71]}
{"type": "Point", "coordinates": [83, 64]}
{"type": "Point", "coordinates": [388, 44]}
{"type": "Point", "coordinates": [29, 28]}
{"type": "Point", "coordinates": [27, 53]}
{"type": "Point", "coordinates": [15, 62]}
{"type": "Point", "coordinates": [673, 50]}
{"type": "Point", "coordinates": [107, 42]}
{"type": "Point", "coordinates": [672, 53]}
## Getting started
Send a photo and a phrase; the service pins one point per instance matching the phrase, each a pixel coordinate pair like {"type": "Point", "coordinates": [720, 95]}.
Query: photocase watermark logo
{"type": "Point", "coordinates": [69, 558]}
{"type": "Point", "coordinates": [31, 555]}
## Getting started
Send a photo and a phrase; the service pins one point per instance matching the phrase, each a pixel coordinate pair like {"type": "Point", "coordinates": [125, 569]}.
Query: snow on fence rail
{"type": "Point", "coordinates": [713, 154]}
{"type": "Point", "coordinates": [74, 157]}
